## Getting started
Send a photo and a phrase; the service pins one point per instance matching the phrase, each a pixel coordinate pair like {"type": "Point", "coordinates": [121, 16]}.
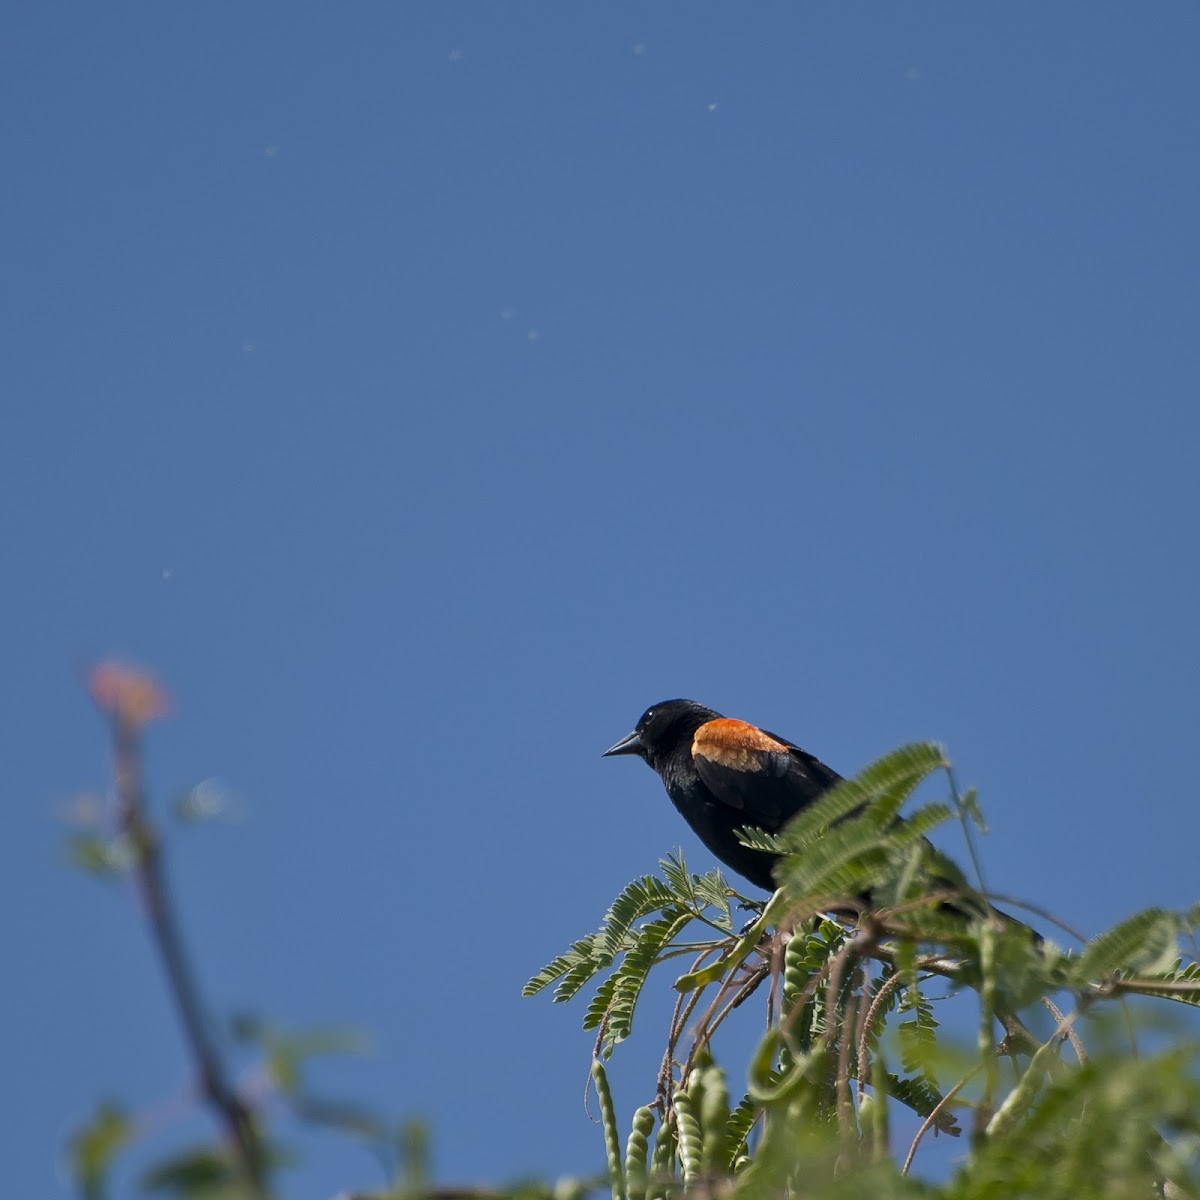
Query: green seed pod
{"type": "Point", "coordinates": [637, 1149]}
{"type": "Point", "coordinates": [714, 1121]}
{"type": "Point", "coordinates": [662, 1163]}
{"type": "Point", "coordinates": [796, 969]}
{"type": "Point", "coordinates": [612, 1139]}
{"type": "Point", "coordinates": [691, 1142]}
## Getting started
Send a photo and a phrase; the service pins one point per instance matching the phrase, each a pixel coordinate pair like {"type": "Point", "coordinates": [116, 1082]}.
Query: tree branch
{"type": "Point", "coordinates": [231, 1112]}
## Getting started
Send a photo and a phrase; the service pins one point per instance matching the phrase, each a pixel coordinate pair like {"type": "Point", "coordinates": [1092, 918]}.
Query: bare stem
{"type": "Point", "coordinates": [933, 1116]}
{"type": "Point", "coordinates": [231, 1112]}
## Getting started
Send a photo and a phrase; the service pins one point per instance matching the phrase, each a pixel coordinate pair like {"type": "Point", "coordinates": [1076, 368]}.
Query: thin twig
{"type": "Point", "coordinates": [888, 985]}
{"type": "Point", "coordinates": [845, 1108]}
{"type": "Point", "coordinates": [1147, 987]}
{"type": "Point", "coordinates": [837, 969]}
{"type": "Point", "coordinates": [685, 1003]}
{"type": "Point", "coordinates": [935, 1113]}
{"type": "Point", "coordinates": [739, 997]}
{"type": "Point", "coordinates": [229, 1108]}
{"type": "Point", "coordinates": [968, 836]}
{"type": "Point", "coordinates": [1067, 1028]}
{"type": "Point", "coordinates": [774, 998]}
{"type": "Point", "coordinates": [702, 1030]}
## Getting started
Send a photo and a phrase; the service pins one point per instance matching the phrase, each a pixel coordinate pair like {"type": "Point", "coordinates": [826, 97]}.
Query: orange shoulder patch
{"type": "Point", "coordinates": [735, 744]}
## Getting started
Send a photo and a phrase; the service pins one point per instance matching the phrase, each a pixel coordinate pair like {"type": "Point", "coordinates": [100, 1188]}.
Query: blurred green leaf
{"type": "Point", "coordinates": [195, 1172]}
{"type": "Point", "coordinates": [102, 856]}
{"type": "Point", "coordinates": [205, 1173]}
{"type": "Point", "coordinates": [412, 1146]}
{"type": "Point", "coordinates": [968, 804]}
{"type": "Point", "coordinates": [93, 1146]}
{"type": "Point", "coordinates": [288, 1053]}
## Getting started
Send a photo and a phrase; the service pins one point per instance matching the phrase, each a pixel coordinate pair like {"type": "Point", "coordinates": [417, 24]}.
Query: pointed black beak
{"type": "Point", "coordinates": [630, 744]}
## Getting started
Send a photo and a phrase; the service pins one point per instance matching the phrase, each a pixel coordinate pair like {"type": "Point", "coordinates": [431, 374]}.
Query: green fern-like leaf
{"type": "Point", "coordinates": [677, 875]}
{"type": "Point", "coordinates": [922, 1097]}
{"type": "Point", "coordinates": [915, 827]}
{"type": "Point", "coordinates": [580, 975]}
{"type": "Point", "coordinates": [741, 1121]}
{"type": "Point", "coordinates": [842, 863]}
{"type": "Point", "coordinates": [760, 839]}
{"type": "Point", "coordinates": [580, 952]}
{"type": "Point", "coordinates": [592, 954]}
{"type": "Point", "coordinates": [637, 899]}
{"type": "Point", "coordinates": [1144, 942]}
{"type": "Point", "coordinates": [889, 781]}
{"type": "Point", "coordinates": [917, 763]}
{"type": "Point", "coordinates": [849, 858]}
{"type": "Point", "coordinates": [1181, 974]}
{"type": "Point", "coordinates": [710, 890]}
{"type": "Point", "coordinates": [652, 938]}
{"type": "Point", "coordinates": [1188, 976]}
{"type": "Point", "coordinates": [713, 890]}
{"type": "Point", "coordinates": [968, 805]}
{"type": "Point", "coordinates": [600, 1003]}
{"type": "Point", "coordinates": [918, 1035]}
{"type": "Point", "coordinates": [630, 977]}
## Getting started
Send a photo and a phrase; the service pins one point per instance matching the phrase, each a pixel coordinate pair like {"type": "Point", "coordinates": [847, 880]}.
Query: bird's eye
{"type": "Point", "coordinates": [648, 717]}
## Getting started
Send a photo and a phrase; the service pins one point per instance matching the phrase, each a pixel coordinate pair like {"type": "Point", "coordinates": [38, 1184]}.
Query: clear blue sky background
{"type": "Point", "coordinates": [423, 390]}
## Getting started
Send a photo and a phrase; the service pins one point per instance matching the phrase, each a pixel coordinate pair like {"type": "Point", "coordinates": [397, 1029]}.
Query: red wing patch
{"type": "Point", "coordinates": [737, 745]}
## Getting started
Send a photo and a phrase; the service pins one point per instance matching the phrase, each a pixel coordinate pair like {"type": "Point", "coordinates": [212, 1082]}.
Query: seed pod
{"type": "Point", "coordinates": [691, 1142]}
{"type": "Point", "coordinates": [612, 1140]}
{"type": "Point", "coordinates": [662, 1163]}
{"type": "Point", "coordinates": [714, 1121]}
{"type": "Point", "coordinates": [637, 1148]}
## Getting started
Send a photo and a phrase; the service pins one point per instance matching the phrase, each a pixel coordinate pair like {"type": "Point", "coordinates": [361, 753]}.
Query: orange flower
{"type": "Point", "coordinates": [129, 694]}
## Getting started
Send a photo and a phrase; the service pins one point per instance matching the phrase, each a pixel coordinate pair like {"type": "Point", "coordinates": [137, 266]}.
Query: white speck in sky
{"type": "Point", "coordinates": [271, 151]}
{"type": "Point", "coordinates": [534, 335]}
{"type": "Point", "coordinates": [209, 799]}
{"type": "Point", "coordinates": [168, 574]}
{"type": "Point", "coordinates": [712, 108]}
{"type": "Point", "coordinates": [507, 314]}
{"type": "Point", "coordinates": [456, 56]}
{"type": "Point", "coordinates": [639, 48]}
{"type": "Point", "coordinates": [248, 347]}
{"type": "Point", "coordinates": [912, 74]}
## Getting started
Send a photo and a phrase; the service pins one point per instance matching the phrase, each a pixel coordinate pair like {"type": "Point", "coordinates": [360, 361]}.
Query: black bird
{"type": "Point", "coordinates": [723, 775]}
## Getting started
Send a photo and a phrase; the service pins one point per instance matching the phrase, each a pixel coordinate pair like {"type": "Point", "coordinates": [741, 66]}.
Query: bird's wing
{"type": "Point", "coordinates": [761, 775]}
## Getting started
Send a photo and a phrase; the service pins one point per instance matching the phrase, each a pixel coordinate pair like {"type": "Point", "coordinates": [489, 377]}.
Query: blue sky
{"type": "Point", "coordinates": [424, 390]}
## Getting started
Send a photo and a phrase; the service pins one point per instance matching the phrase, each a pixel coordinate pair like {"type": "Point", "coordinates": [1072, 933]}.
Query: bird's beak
{"type": "Point", "coordinates": [630, 744]}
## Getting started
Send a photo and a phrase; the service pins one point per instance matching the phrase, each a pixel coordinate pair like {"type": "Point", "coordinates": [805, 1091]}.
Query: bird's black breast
{"type": "Point", "coordinates": [715, 822]}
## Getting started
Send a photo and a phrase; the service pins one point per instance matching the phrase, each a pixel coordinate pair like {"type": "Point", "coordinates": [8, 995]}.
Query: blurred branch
{"type": "Point", "coordinates": [127, 702]}
{"type": "Point", "coordinates": [449, 1192]}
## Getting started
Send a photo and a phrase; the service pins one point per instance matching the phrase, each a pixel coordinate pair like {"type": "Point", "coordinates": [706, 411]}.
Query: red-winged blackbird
{"type": "Point", "coordinates": [723, 775]}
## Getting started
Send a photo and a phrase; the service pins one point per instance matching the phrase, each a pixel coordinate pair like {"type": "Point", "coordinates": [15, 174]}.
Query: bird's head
{"type": "Point", "coordinates": [661, 729]}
